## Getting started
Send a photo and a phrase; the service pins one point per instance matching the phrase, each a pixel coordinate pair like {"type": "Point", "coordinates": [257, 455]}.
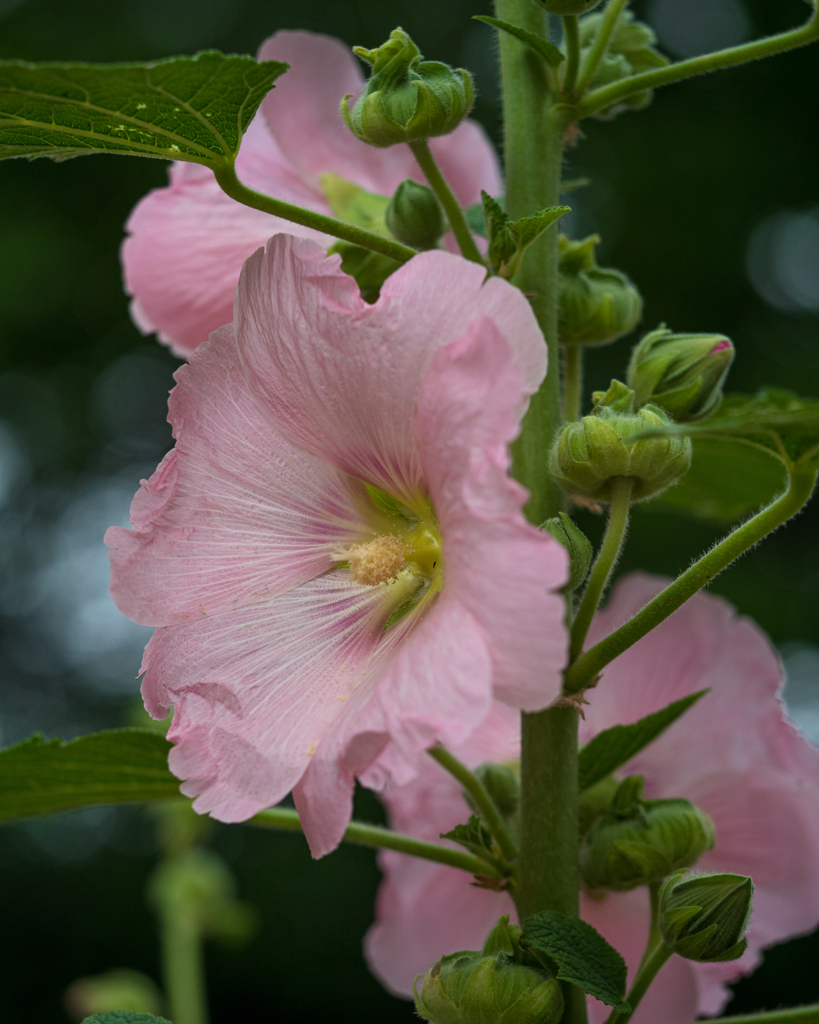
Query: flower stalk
{"type": "Point", "coordinates": [452, 208]}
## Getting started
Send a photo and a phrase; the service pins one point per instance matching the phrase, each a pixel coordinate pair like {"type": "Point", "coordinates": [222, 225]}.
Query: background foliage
{"type": "Point", "coordinates": [708, 200]}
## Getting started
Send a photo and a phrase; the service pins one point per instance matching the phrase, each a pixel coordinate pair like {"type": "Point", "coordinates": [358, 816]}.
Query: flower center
{"type": "Point", "coordinates": [377, 561]}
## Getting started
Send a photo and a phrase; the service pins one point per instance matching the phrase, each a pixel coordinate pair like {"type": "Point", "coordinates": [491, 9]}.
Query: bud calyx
{"type": "Point", "coordinates": [704, 917]}
{"type": "Point", "coordinates": [596, 304]}
{"type": "Point", "coordinates": [406, 97]}
{"type": "Point", "coordinates": [681, 373]}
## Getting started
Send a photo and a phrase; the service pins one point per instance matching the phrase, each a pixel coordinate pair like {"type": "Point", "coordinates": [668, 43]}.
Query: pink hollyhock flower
{"type": "Point", "coordinates": [187, 242]}
{"type": "Point", "coordinates": [338, 464]}
{"type": "Point", "coordinates": [734, 754]}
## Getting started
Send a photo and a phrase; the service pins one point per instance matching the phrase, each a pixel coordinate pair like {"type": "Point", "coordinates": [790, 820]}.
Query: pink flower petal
{"type": "Point", "coordinates": [256, 691]}
{"type": "Point", "coordinates": [341, 377]}
{"type": "Point", "coordinates": [234, 515]}
{"type": "Point", "coordinates": [466, 417]}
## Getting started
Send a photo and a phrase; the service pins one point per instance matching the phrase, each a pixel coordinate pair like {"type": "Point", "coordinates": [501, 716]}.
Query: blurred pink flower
{"type": "Point", "coordinates": [187, 241]}
{"type": "Point", "coordinates": [734, 754]}
{"type": "Point", "coordinates": [276, 658]}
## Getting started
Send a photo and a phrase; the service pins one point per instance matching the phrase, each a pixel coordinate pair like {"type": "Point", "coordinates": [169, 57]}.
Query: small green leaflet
{"type": "Point", "coordinates": [550, 53]}
{"type": "Point", "coordinates": [475, 837]}
{"type": "Point", "coordinates": [774, 419]}
{"type": "Point", "coordinates": [581, 955]}
{"type": "Point", "coordinates": [124, 1017]}
{"type": "Point", "coordinates": [727, 481]}
{"type": "Point", "coordinates": [40, 776]}
{"type": "Point", "coordinates": [509, 239]}
{"type": "Point", "coordinates": [613, 747]}
{"type": "Point", "coordinates": [185, 108]}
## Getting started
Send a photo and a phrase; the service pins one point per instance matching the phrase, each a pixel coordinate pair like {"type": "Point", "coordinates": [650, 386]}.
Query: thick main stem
{"type": "Point", "coordinates": [534, 132]}
{"type": "Point", "coordinates": [621, 488]}
{"type": "Point", "coordinates": [444, 195]}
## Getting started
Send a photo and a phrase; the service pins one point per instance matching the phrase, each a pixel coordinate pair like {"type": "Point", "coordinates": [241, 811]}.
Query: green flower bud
{"type": "Point", "coordinates": [704, 917]}
{"type": "Point", "coordinates": [473, 988]}
{"type": "Point", "coordinates": [414, 216]}
{"type": "Point", "coordinates": [502, 784]}
{"type": "Point", "coordinates": [630, 51]}
{"type": "Point", "coordinates": [682, 373]}
{"type": "Point", "coordinates": [638, 841]}
{"type": "Point", "coordinates": [596, 304]}
{"type": "Point", "coordinates": [594, 801]}
{"type": "Point", "coordinates": [407, 98]}
{"type": "Point", "coordinates": [589, 453]}
{"type": "Point", "coordinates": [568, 6]}
{"type": "Point", "coordinates": [566, 532]}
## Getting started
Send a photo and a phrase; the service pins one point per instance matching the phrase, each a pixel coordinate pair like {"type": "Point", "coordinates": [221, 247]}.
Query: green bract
{"type": "Point", "coordinates": [407, 98]}
{"type": "Point", "coordinates": [414, 215]}
{"type": "Point", "coordinates": [470, 988]}
{"type": "Point", "coordinates": [704, 917]}
{"type": "Point", "coordinates": [566, 532]}
{"type": "Point", "coordinates": [590, 453]}
{"type": "Point", "coordinates": [597, 304]}
{"type": "Point", "coordinates": [630, 51]}
{"type": "Point", "coordinates": [682, 373]}
{"type": "Point", "coordinates": [637, 842]}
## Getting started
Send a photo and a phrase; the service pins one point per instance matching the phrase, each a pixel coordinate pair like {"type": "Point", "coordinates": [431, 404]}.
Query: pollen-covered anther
{"type": "Point", "coordinates": [377, 561]}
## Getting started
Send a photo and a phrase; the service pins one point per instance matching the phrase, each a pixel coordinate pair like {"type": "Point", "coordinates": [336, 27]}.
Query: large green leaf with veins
{"type": "Point", "coordinates": [184, 108]}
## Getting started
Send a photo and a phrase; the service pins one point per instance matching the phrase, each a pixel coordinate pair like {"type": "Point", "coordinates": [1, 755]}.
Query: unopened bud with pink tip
{"type": "Point", "coordinates": [681, 373]}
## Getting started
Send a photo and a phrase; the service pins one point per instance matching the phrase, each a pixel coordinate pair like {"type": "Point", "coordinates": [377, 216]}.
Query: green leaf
{"type": "Point", "coordinates": [40, 776]}
{"type": "Point", "coordinates": [124, 1017]}
{"type": "Point", "coordinates": [509, 239]}
{"type": "Point", "coordinates": [581, 955]}
{"type": "Point", "coordinates": [774, 419]}
{"type": "Point", "coordinates": [727, 480]}
{"type": "Point", "coordinates": [551, 54]}
{"type": "Point", "coordinates": [475, 837]}
{"type": "Point", "coordinates": [183, 108]}
{"type": "Point", "coordinates": [613, 747]}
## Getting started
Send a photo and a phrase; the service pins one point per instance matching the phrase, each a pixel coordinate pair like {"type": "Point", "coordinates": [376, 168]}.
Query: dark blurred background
{"type": "Point", "coordinates": [709, 200]}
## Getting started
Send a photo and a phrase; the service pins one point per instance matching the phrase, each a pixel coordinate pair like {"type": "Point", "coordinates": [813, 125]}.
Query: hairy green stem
{"type": "Point", "coordinates": [621, 488]}
{"type": "Point", "coordinates": [385, 839]}
{"type": "Point", "coordinates": [571, 34]}
{"type": "Point", "coordinates": [608, 94]}
{"type": "Point", "coordinates": [792, 1015]}
{"type": "Point", "coordinates": [600, 44]}
{"type": "Point", "coordinates": [654, 935]}
{"type": "Point", "coordinates": [483, 800]}
{"type": "Point", "coordinates": [183, 967]}
{"type": "Point", "coordinates": [534, 132]}
{"type": "Point", "coordinates": [802, 480]}
{"type": "Point", "coordinates": [452, 208]}
{"type": "Point", "coordinates": [647, 973]}
{"type": "Point", "coordinates": [572, 382]}
{"type": "Point", "coordinates": [230, 184]}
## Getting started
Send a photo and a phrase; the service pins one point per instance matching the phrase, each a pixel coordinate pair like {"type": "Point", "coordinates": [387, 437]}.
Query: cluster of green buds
{"type": "Point", "coordinates": [629, 52]}
{"type": "Point", "coordinates": [490, 986]}
{"type": "Point", "coordinates": [639, 842]}
{"type": "Point", "coordinates": [590, 453]}
{"type": "Point", "coordinates": [414, 216]}
{"type": "Point", "coordinates": [682, 373]}
{"type": "Point", "coordinates": [406, 97]}
{"type": "Point", "coordinates": [704, 917]}
{"type": "Point", "coordinates": [596, 305]}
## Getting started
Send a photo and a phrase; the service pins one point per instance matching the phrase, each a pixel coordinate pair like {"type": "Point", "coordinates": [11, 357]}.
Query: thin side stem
{"type": "Point", "coordinates": [385, 839]}
{"type": "Point", "coordinates": [793, 1015]}
{"type": "Point", "coordinates": [571, 34]}
{"type": "Point", "coordinates": [230, 184]}
{"type": "Point", "coordinates": [572, 382]}
{"type": "Point", "coordinates": [654, 935]}
{"type": "Point", "coordinates": [621, 488]}
{"type": "Point", "coordinates": [730, 57]}
{"type": "Point", "coordinates": [183, 967]}
{"type": "Point", "coordinates": [479, 793]}
{"type": "Point", "coordinates": [647, 973]}
{"type": "Point", "coordinates": [802, 480]}
{"type": "Point", "coordinates": [601, 43]}
{"type": "Point", "coordinates": [452, 208]}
